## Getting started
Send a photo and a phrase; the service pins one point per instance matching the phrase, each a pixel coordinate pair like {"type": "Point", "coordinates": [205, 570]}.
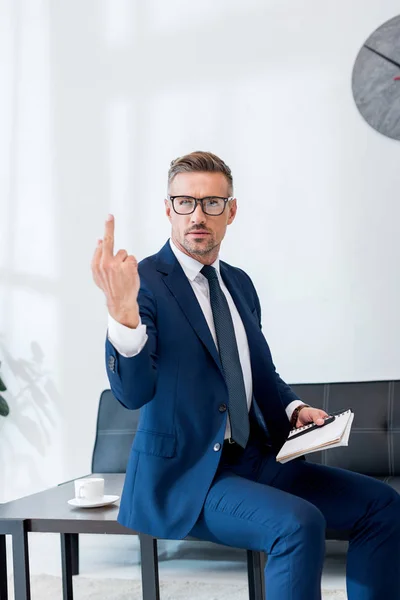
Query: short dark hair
{"type": "Point", "coordinates": [200, 161]}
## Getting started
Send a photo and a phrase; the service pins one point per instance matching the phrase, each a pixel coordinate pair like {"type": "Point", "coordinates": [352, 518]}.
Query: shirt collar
{"type": "Point", "coordinates": [191, 267]}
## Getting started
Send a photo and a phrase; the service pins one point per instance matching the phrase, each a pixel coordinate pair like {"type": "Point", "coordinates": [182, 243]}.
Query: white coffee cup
{"type": "Point", "coordinates": [91, 488]}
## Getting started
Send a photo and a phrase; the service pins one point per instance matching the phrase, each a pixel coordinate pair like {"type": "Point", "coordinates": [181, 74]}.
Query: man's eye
{"type": "Point", "coordinates": [213, 202]}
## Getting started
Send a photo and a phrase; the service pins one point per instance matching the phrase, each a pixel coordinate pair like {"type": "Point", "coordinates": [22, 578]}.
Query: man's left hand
{"type": "Point", "coordinates": [311, 415]}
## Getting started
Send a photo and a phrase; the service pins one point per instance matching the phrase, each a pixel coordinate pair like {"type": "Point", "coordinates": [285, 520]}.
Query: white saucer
{"type": "Point", "coordinates": [83, 503]}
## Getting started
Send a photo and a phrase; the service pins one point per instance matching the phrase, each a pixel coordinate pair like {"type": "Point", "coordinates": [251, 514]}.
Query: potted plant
{"type": "Point", "coordinates": [4, 409]}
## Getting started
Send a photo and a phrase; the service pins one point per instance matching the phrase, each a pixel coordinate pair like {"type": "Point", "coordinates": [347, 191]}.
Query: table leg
{"type": "Point", "coordinates": [66, 565]}
{"type": "Point", "coordinates": [255, 575]}
{"type": "Point", "coordinates": [3, 568]}
{"type": "Point", "coordinates": [75, 553]}
{"type": "Point", "coordinates": [22, 589]}
{"type": "Point", "coordinates": [149, 565]}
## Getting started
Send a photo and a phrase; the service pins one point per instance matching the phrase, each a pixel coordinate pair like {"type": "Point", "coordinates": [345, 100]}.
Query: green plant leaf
{"type": "Point", "coordinates": [4, 410]}
{"type": "Point", "coordinates": [2, 386]}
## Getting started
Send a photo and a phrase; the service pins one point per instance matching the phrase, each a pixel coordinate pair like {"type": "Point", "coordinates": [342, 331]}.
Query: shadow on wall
{"type": "Point", "coordinates": [34, 406]}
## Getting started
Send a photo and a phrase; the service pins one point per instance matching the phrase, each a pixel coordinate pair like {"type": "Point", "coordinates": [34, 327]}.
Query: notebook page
{"type": "Point", "coordinates": [346, 435]}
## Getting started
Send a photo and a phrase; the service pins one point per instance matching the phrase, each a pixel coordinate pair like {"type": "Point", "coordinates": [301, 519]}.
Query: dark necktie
{"type": "Point", "coordinates": [229, 356]}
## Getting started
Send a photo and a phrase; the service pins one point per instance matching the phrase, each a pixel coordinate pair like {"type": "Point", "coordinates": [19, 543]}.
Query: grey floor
{"type": "Point", "coordinates": [118, 557]}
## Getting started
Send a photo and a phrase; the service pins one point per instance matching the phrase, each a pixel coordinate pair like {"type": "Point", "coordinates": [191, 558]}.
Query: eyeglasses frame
{"type": "Point", "coordinates": [199, 201]}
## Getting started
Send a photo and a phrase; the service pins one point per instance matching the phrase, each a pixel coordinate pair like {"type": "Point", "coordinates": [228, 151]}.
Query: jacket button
{"type": "Point", "coordinates": [111, 363]}
{"type": "Point", "coordinates": [217, 447]}
{"type": "Point", "coordinates": [222, 408]}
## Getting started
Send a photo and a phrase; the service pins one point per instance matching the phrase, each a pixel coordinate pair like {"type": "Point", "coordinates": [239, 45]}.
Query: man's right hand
{"type": "Point", "coordinates": [118, 277]}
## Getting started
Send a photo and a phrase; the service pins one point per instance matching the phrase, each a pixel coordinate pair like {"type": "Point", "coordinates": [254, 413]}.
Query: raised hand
{"type": "Point", "coordinates": [118, 277]}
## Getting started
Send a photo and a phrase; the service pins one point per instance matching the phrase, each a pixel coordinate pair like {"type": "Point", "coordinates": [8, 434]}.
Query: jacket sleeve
{"type": "Point", "coordinates": [133, 380]}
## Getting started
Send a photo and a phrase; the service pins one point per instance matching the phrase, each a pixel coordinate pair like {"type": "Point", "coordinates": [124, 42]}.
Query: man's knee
{"type": "Point", "coordinates": [305, 523]}
{"type": "Point", "coordinates": [308, 519]}
{"type": "Point", "coordinates": [383, 510]}
{"type": "Point", "coordinates": [305, 527]}
{"type": "Point", "coordinates": [390, 503]}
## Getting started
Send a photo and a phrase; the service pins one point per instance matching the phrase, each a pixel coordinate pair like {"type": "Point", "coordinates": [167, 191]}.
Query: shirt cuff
{"type": "Point", "coordinates": [291, 406]}
{"type": "Point", "coordinates": [128, 342]}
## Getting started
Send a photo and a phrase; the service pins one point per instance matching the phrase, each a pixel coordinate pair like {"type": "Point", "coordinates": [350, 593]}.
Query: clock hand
{"type": "Point", "coordinates": [396, 64]}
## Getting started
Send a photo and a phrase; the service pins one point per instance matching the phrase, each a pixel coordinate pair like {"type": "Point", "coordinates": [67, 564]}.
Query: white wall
{"type": "Point", "coordinates": [97, 98]}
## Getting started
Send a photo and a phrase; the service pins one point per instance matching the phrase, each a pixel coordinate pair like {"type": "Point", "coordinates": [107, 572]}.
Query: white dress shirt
{"type": "Point", "coordinates": [129, 342]}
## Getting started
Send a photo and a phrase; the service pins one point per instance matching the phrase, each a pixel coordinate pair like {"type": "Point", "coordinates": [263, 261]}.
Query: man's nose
{"type": "Point", "coordinates": [198, 216]}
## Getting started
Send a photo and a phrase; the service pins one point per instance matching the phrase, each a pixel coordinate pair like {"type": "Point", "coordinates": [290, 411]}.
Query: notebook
{"type": "Point", "coordinates": [312, 438]}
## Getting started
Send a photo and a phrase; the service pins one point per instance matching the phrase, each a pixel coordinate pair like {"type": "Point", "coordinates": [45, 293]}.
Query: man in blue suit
{"type": "Point", "coordinates": [185, 346]}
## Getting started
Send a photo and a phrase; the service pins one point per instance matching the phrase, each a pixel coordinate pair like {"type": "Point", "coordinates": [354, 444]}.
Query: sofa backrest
{"type": "Point", "coordinates": [374, 444]}
{"type": "Point", "coordinates": [116, 428]}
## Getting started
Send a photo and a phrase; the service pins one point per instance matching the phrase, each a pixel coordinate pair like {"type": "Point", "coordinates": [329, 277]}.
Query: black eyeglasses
{"type": "Point", "coordinates": [211, 205]}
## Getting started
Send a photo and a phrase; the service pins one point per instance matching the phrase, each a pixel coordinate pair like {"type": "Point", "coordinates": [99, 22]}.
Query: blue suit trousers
{"type": "Point", "coordinates": [284, 511]}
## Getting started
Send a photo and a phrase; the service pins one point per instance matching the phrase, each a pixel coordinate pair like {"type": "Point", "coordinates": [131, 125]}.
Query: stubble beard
{"type": "Point", "coordinates": [197, 247]}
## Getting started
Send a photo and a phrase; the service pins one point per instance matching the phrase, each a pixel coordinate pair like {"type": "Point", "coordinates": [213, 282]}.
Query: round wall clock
{"type": "Point", "coordinates": [376, 79]}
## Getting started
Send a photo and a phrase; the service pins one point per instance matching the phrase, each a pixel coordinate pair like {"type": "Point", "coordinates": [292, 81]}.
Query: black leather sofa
{"type": "Point", "coordinates": [374, 445]}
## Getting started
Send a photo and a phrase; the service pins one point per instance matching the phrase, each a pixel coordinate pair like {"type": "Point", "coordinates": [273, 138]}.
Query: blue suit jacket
{"type": "Point", "coordinates": [177, 382]}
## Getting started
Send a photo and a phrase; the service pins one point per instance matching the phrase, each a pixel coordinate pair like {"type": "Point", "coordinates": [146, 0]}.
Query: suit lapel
{"type": "Point", "coordinates": [262, 367]}
{"type": "Point", "coordinates": [251, 326]}
{"type": "Point", "coordinates": [179, 285]}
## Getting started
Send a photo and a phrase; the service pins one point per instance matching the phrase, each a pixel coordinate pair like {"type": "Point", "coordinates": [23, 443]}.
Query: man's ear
{"type": "Point", "coordinates": [232, 204]}
{"type": "Point", "coordinates": [168, 208]}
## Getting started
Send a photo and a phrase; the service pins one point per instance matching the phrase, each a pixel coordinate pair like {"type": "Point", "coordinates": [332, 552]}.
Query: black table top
{"type": "Point", "coordinates": [49, 511]}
